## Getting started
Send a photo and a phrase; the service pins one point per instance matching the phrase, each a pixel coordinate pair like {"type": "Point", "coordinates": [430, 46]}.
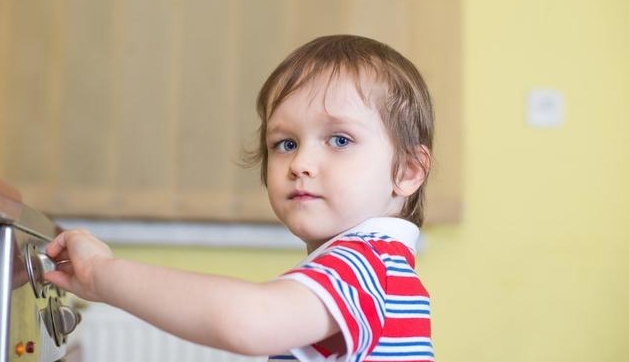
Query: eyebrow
{"type": "Point", "coordinates": [274, 128]}
{"type": "Point", "coordinates": [329, 119]}
{"type": "Point", "coordinates": [347, 121]}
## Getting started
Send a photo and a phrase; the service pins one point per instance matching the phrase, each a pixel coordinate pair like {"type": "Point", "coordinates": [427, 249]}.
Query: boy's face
{"type": "Point", "coordinates": [329, 161]}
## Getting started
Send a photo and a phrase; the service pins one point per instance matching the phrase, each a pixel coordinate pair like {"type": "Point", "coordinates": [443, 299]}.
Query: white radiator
{"type": "Point", "coordinates": [109, 334]}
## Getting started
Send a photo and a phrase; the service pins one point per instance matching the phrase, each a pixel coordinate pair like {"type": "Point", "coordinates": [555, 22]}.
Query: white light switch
{"type": "Point", "coordinates": [545, 108]}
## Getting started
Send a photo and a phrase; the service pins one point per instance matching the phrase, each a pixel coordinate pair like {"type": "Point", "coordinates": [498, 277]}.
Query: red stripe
{"type": "Point", "coordinates": [406, 286]}
{"type": "Point", "coordinates": [324, 352]}
{"type": "Point", "coordinates": [406, 327]}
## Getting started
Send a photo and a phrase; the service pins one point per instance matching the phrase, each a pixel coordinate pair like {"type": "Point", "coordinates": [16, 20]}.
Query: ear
{"type": "Point", "coordinates": [414, 173]}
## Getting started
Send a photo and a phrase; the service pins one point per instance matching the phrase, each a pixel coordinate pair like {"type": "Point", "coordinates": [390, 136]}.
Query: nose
{"type": "Point", "coordinates": [304, 162]}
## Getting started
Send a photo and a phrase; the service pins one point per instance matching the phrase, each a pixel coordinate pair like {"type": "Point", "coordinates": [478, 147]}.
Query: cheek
{"type": "Point", "coordinates": [271, 171]}
{"type": "Point", "coordinates": [273, 180]}
{"type": "Point", "coordinates": [359, 185]}
{"type": "Point", "coordinates": [273, 195]}
{"type": "Point", "coordinates": [371, 172]}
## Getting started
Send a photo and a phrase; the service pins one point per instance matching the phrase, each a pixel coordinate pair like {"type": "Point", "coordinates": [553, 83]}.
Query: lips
{"type": "Point", "coordinates": [302, 196]}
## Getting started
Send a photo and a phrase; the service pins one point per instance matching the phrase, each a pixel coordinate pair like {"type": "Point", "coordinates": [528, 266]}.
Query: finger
{"type": "Point", "coordinates": [83, 231]}
{"type": "Point", "coordinates": [64, 255]}
{"type": "Point", "coordinates": [62, 240]}
{"type": "Point", "coordinates": [65, 266]}
{"type": "Point", "coordinates": [57, 245]}
{"type": "Point", "coordinates": [60, 279]}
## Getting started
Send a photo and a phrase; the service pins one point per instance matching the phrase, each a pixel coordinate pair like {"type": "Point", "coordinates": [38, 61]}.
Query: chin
{"type": "Point", "coordinates": [314, 228]}
{"type": "Point", "coordinates": [310, 233]}
{"type": "Point", "coordinates": [305, 232]}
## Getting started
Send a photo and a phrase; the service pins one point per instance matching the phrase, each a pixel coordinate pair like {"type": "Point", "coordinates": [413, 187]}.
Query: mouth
{"type": "Point", "coordinates": [302, 196]}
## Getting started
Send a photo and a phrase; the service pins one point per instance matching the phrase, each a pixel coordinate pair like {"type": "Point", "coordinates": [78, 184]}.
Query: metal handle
{"type": "Point", "coordinates": [37, 264]}
{"type": "Point", "coordinates": [47, 264]}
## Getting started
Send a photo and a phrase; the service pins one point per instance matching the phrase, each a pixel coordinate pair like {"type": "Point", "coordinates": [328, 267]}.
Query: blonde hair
{"type": "Point", "coordinates": [405, 107]}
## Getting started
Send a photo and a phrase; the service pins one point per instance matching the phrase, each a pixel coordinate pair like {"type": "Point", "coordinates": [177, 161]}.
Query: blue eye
{"type": "Point", "coordinates": [339, 141]}
{"type": "Point", "coordinates": [286, 145]}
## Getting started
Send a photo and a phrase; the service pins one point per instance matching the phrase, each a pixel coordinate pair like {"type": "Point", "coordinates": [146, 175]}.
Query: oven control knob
{"type": "Point", "coordinates": [60, 320]}
{"type": "Point", "coordinates": [37, 264]}
{"type": "Point", "coordinates": [68, 319]}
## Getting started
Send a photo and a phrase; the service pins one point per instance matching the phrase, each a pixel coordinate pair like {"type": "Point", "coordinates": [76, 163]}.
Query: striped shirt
{"type": "Point", "coordinates": [366, 279]}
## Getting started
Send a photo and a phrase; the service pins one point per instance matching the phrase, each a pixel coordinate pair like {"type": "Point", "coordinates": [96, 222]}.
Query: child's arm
{"type": "Point", "coordinates": [226, 313]}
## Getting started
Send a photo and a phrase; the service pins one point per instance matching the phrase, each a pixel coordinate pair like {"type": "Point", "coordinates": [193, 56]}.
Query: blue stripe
{"type": "Point", "coordinates": [408, 270]}
{"type": "Point", "coordinates": [369, 235]}
{"type": "Point", "coordinates": [395, 261]}
{"type": "Point", "coordinates": [404, 344]}
{"type": "Point", "coordinates": [422, 302]}
{"type": "Point", "coordinates": [395, 354]}
{"type": "Point", "coordinates": [412, 311]}
{"type": "Point", "coordinates": [283, 357]}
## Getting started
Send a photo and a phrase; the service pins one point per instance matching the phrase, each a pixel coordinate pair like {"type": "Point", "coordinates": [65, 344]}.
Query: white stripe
{"type": "Point", "coordinates": [406, 273]}
{"type": "Point", "coordinates": [408, 315]}
{"type": "Point", "coordinates": [399, 347]}
{"type": "Point", "coordinates": [408, 298]}
{"type": "Point", "coordinates": [396, 310]}
{"type": "Point", "coordinates": [394, 258]}
{"type": "Point", "coordinates": [402, 267]}
{"type": "Point", "coordinates": [399, 358]}
{"type": "Point", "coordinates": [353, 238]}
{"type": "Point", "coordinates": [395, 349]}
{"type": "Point", "coordinates": [404, 339]}
{"type": "Point", "coordinates": [407, 307]}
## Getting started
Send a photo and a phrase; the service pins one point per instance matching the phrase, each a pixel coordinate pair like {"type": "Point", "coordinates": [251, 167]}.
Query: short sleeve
{"type": "Point", "coordinates": [350, 278]}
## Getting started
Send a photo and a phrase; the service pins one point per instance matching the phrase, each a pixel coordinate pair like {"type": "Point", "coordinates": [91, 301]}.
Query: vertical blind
{"type": "Point", "coordinates": [142, 108]}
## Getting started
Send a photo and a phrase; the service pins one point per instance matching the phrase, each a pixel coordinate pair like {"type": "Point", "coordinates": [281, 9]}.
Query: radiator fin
{"type": "Point", "coordinates": [109, 334]}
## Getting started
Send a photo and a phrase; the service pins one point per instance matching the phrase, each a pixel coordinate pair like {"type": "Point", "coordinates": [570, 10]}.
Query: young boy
{"type": "Point", "coordinates": [344, 149]}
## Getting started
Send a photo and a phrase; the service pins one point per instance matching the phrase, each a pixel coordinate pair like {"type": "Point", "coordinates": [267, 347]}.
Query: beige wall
{"type": "Point", "coordinates": [537, 270]}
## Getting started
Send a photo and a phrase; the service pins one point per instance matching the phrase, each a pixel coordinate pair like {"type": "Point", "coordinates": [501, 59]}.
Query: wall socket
{"type": "Point", "coordinates": [545, 108]}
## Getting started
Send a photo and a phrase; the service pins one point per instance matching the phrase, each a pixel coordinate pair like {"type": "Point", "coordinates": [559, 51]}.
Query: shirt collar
{"type": "Point", "coordinates": [397, 229]}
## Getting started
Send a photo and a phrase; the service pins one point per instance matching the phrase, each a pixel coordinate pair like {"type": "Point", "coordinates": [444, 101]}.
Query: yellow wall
{"type": "Point", "coordinates": [538, 270]}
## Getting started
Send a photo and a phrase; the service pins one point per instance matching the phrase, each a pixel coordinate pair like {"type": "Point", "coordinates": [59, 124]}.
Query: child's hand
{"type": "Point", "coordinates": [85, 254]}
